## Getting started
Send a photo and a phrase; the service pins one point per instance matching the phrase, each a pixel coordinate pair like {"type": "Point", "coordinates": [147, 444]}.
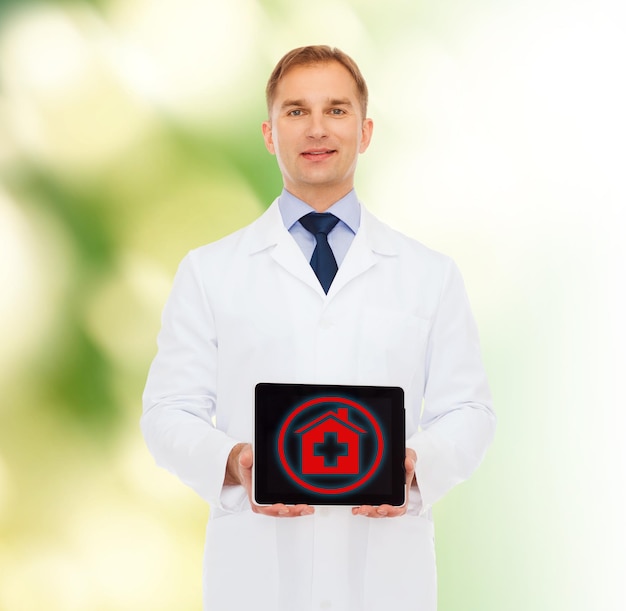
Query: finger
{"type": "Point", "coordinates": [303, 510]}
{"type": "Point", "coordinates": [295, 511]}
{"type": "Point", "coordinates": [368, 511]}
{"type": "Point", "coordinates": [280, 510]}
{"type": "Point", "coordinates": [390, 511]}
{"type": "Point", "coordinates": [394, 512]}
{"type": "Point", "coordinates": [270, 510]}
{"type": "Point", "coordinates": [381, 511]}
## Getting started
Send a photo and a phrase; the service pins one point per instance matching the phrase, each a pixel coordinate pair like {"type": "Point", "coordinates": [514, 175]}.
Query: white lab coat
{"type": "Point", "coordinates": [249, 309]}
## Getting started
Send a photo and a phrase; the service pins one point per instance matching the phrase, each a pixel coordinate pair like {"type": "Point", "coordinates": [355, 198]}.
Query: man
{"type": "Point", "coordinates": [249, 308]}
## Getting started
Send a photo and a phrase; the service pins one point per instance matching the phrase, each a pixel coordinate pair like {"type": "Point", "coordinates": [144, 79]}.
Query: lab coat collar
{"type": "Point", "coordinates": [373, 241]}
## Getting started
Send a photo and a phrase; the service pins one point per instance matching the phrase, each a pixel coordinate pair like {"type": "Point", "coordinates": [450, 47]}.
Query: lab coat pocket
{"type": "Point", "coordinates": [393, 347]}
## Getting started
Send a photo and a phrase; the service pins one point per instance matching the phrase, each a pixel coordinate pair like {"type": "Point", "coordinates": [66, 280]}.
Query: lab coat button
{"type": "Point", "coordinates": [325, 323]}
{"type": "Point", "coordinates": [325, 604]}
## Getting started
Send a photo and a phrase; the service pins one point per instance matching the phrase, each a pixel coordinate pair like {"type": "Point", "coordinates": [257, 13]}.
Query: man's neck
{"type": "Point", "coordinates": [320, 199]}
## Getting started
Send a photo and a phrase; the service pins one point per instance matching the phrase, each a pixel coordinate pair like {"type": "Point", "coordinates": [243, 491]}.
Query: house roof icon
{"type": "Point", "coordinates": [330, 444]}
{"type": "Point", "coordinates": [340, 417]}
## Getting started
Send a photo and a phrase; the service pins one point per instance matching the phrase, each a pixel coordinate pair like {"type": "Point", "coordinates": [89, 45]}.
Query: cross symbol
{"type": "Point", "coordinates": [330, 449]}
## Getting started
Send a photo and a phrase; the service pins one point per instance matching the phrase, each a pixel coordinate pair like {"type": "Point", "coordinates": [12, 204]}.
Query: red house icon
{"type": "Point", "coordinates": [330, 444]}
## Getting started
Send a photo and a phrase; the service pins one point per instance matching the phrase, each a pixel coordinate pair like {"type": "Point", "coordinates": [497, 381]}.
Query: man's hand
{"type": "Point", "coordinates": [389, 511]}
{"type": "Point", "coordinates": [239, 471]}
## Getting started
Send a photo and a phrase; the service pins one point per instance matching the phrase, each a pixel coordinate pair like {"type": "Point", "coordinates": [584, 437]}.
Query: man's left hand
{"type": "Point", "coordinates": [390, 511]}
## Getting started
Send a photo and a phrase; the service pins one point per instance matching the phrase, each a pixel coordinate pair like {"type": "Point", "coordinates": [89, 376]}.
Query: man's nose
{"type": "Point", "coordinates": [317, 125]}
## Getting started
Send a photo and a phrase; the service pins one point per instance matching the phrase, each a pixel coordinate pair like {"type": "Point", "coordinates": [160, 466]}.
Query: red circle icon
{"type": "Point", "coordinates": [297, 478]}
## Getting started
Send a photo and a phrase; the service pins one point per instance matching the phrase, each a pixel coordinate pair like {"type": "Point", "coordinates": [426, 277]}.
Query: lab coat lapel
{"type": "Point", "coordinates": [358, 260]}
{"type": "Point", "coordinates": [372, 242]}
{"type": "Point", "coordinates": [288, 254]}
{"type": "Point", "coordinates": [269, 232]}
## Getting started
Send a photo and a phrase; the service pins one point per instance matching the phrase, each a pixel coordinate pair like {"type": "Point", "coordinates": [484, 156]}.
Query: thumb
{"type": "Point", "coordinates": [245, 458]}
{"type": "Point", "coordinates": [409, 467]}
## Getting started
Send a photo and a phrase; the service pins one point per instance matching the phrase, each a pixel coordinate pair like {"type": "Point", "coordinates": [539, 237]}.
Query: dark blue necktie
{"type": "Point", "coordinates": [323, 262]}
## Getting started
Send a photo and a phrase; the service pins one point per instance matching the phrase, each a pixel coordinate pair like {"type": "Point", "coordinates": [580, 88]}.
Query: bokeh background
{"type": "Point", "coordinates": [130, 133]}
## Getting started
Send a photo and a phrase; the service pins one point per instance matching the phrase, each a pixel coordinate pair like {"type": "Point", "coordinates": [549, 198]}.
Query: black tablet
{"type": "Point", "coordinates": [329, 445]}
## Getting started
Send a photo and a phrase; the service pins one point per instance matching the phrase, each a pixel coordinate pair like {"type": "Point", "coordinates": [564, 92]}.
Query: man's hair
{"type": "Point", "coordinates": [308, 56]}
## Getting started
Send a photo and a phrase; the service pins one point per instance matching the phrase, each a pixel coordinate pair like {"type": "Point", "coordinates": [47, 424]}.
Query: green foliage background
{"type": "Point", "coordinates": [130, 133]}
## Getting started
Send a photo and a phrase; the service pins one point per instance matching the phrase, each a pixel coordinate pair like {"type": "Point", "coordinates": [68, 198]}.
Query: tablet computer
{"type": "Point", "coordinates": [328, 444]}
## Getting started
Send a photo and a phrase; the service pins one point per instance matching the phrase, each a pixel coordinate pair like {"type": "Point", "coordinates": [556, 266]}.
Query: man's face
{"type": "Point", "coordinates": [316, 132]}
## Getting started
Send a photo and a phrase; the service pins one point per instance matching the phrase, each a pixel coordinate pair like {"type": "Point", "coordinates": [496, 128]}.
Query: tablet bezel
{"type": "Point", "coordinates": [270, 483]}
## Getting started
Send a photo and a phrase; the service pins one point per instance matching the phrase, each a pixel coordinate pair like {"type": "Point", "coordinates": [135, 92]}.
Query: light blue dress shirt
{"type": "Point", "coordinates": [347, 210]}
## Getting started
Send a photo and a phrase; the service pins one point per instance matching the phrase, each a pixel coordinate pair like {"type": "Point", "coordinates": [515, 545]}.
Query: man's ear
{"type": "Point", "coordinates": [267, 136]}
{"type": "Point", "coordinates": [366, 134]}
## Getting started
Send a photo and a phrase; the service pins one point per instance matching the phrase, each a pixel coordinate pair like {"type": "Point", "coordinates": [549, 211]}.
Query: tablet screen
{"type": "Point", "coordinates": [329, 444]}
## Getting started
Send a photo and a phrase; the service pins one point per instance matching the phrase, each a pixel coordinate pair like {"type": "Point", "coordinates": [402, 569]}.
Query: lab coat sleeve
{"type": "Point", "coordinates": [458, 422]}
{"type": "Point", "coordinates": [180, 394]}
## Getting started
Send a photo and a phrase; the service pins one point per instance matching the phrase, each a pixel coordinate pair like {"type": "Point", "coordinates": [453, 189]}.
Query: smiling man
{"type": "Point", "coordinates": [317, 129]}
{"type": "Point", "coordinates": [317, 290]}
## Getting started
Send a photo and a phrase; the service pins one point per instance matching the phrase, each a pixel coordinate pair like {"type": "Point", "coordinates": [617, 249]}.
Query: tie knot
{"type": "Point", "coordinates": [319, 222]}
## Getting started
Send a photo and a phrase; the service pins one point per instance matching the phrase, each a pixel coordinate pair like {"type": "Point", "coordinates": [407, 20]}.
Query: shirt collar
{"type": "Point", "coordinates": [347, 210]}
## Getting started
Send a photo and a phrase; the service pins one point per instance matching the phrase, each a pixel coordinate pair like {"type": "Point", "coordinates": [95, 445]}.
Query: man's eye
{"type": "Point", "coordinates": [295, 113]}
{"type": "Point", "coordinates": [338, 111]}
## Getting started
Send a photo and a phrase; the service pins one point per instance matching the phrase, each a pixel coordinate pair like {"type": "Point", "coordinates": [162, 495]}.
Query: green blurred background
{"type": "Point", "coordinates": [130, 133]}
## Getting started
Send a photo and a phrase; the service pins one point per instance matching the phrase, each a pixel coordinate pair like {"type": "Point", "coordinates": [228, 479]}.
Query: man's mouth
{"type": "Point", "coordinates": [318, 153]}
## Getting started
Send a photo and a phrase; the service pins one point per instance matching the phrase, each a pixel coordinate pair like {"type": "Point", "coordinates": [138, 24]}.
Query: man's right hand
{"type": "Point", "coordinates": [239, 471]}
